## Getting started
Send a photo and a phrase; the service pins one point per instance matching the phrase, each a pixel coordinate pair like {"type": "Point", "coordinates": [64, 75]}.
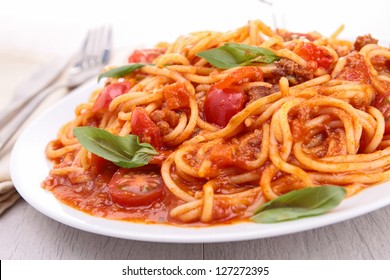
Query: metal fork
{"type": "Point", "coordinates": [277, 11]}
{"type": "Point", "coordinates": [93, 55]}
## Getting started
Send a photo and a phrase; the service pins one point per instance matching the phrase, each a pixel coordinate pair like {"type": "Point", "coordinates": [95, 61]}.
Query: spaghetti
{"type": "Point", "coordinates": [230, 139]}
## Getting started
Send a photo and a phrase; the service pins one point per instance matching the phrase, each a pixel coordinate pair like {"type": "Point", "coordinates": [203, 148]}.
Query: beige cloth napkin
{"type": "Point", "coordinates": [8, 194]}
{"type": "Point", "coordinates": [13, 66]}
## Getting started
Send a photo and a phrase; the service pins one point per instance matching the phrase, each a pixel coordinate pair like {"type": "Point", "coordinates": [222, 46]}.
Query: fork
{"type": "Point", "coordinates": [93, 55]}
{"type": "Point", "coordinates": [277, 10]}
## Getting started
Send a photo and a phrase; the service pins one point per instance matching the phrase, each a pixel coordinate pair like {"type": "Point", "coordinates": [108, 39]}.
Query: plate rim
{"type": "Point", "coordinates": [147, 232]}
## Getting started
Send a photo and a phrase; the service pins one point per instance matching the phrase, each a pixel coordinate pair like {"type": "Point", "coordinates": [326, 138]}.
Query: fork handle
{"type": "Point", "coordinates": [17, 116]}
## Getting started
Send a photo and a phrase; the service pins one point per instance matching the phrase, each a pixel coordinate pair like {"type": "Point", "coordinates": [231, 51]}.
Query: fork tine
{"type": "Point", "coordinates": [92, 48]}
{"type": "Point", "coordinates": [94, 53]}
{"type": "Point", "coordinates": [81, 58]}
{"type": "Point", "coordinates": [96, 47]}
{"type": "Point", "coordinates": [104, 44]}
{"type": "Point", "coordinates": [107, 44]}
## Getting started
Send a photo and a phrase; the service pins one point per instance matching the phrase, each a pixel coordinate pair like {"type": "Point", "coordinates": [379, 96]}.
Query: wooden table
{"type": "Point", "coordinates": [27, 234]}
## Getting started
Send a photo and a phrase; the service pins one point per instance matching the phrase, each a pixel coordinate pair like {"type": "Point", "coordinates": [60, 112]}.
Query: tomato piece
{"type": "Point", "coordinates": [99, 164]}
{"type": "Point", "coordinates": [311, 52]}
{"type": "Point", "coordinates": [243, 74]}
{"type": "Point", "coordinates": [145, 55]}
{"type": "Point", "coordinates": [135, 187]}
{"type": "Point", "coordinates": [387, 127]}
{"type": "Point", "coordinates": [355, 69]}
{"type": "Point", "coordinates": [382, 103]}
{"type": "Point", "coordinates": [222, 155]}
{"type": "Point", "coordinates": [220, 105]}
{"type": "Point", "coordinates": [109, 93]}
{"type": "Point", "coordinates": [176, 96]}
{"type": "Point", "coordinates": [225, 98]}
{"type": "Point", "coordinates": [381, 63]}
{"type": "Point", "coordinates": [145, 128]}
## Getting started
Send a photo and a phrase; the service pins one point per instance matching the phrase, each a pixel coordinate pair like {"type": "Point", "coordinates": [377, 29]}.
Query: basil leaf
{"type": "Point", "coordinates": [125, 151]}
{"type": "Point", "coordinates": [232, 55]}
{"type": "Point", "coordinates": [120, 71]}
{"type": "Point", "coordinates": [299, 204]}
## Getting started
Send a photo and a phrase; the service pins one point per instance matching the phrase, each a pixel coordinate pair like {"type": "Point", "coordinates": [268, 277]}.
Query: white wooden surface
{"type": "Point", "coordinates": [28, 234]}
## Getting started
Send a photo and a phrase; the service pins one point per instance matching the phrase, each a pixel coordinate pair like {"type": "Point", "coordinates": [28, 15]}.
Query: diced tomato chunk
{"type": "Point", "coordinates": [99, 164]}
{"type": "Point", "coordinates": [176, 96]}
{"type": "Point", "coordinates": [145, 128]}
{"type": "Point", "coordinates": [381, 63]}
{"type": "Point", "coordinates": [243, 74]}
{"type": "Point", "coordinates": [226, 98]}
{"type": "Point", "coordinates": [355, 69]}
{"type": "Point", "coordinates": [109, 93]}
{"type": "Point", "coordinates": [220, 105]}
{"type": "Point", "coordinates": [382, 103]}
{"type": "Point", "coordinates": [145, 55]}
{"type": "Point", "coordinates": [222, 155]}
{"type": "Point", "coordinates": [312, 52]}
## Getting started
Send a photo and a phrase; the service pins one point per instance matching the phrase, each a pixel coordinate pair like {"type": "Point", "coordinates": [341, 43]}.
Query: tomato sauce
{"type": "Point", "coordinates": [93, 198]}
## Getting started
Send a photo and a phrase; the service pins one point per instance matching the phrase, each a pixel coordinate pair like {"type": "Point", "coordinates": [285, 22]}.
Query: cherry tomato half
{"type": "Point", "coordinates": [131, 187]}
{"type": "Point", "coordinates": [145, 55]}
{"type": "Point", "coordinates": [109, 93]}
{"type": "Point", "coordinates": [312, 52]}
{"type": "Point", "coordinates": [220, 105]}
{"type": "Point", "coordinates": [145, 128]}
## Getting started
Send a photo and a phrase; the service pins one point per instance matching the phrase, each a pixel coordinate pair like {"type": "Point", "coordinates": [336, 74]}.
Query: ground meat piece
{"type": "Point", "coordinates": [164, 127]}
{"type": "Point", "coordinates": [295, 73]}
{"type": "Point", "coordinates": [361, 41]}
{"type": "Point", "coordinates": [172, 118]}
{"type": "Point", "coordinates": [261, 91]}
{"type": "Point", "coordinates": [157, 116]}
{"type": "Point", "coordinates": [165, 120]}
{"type": "Point", "coordinates": [381, 63]}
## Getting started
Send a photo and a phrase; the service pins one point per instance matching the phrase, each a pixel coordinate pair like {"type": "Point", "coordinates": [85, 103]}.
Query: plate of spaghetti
{"type": "Point", "coordinates": [217, 136]}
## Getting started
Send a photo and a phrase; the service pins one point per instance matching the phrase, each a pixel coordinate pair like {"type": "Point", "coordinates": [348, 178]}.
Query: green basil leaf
{"type": "Point", "coordinates": [232, 55]}
{"type": "Point", "coordinates": [120, 71]}
{"type": "Point", "coordinates": [125, 151]}
{"type": "Point", "coordinates": [299, 204]}
{"type": "Point", "coordinates": [220, 58]}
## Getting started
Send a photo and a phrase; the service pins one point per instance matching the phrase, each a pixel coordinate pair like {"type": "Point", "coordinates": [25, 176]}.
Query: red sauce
{"type": "Point", "coordinates": [93, 198]}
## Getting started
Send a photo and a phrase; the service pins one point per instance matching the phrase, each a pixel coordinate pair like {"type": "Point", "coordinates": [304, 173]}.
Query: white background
{"type": "Point", "coordinates": [278, 269]}
{"type": "Point", "coordinates": [57, 27]}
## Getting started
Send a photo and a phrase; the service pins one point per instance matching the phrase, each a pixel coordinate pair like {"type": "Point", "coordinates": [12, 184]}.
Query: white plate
{"type": "Point", "coordinates": [29, 167]}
